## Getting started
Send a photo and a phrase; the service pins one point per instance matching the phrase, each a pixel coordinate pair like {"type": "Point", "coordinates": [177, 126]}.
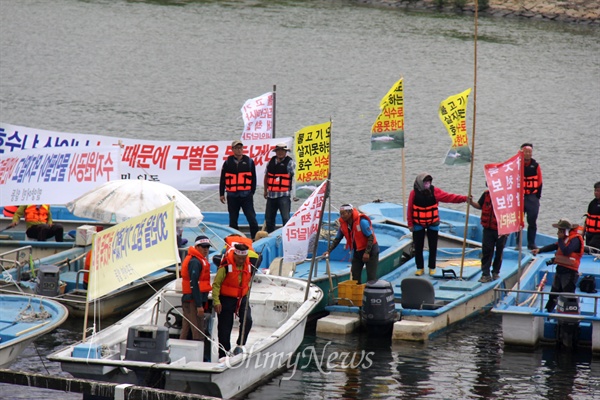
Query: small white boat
{"type": "Point", "coordinates": [22, 320]}
{"type": "Point", "coordinates": [574, 322]}
{"type": "Point", "coordinates": [279, 314]}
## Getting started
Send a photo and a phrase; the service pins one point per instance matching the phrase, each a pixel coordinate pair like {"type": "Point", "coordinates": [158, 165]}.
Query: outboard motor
{"type": "Point", "coordinates": [378, 310]}
{"type": "Point", "coordinates": [568, 329]}
{"type": "Point", "coordinates": [47, 282]}
{"type": "Point", "coordinates": [148, 343]}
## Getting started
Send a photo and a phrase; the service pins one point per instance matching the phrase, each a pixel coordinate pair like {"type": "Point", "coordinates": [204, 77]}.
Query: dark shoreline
{"type": "Point", "coordinates": [586, 12]}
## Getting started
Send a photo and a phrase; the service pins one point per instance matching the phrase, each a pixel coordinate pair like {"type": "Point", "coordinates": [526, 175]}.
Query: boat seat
{"type": "Point", "coordinates": [418, 293]}
{"type": "Point", "coordinates": [282, 268]}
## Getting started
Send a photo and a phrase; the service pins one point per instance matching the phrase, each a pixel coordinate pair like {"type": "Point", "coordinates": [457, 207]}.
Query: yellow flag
{"type": "Point", "coordinates": [388, 130]}
{"type": "Point", "coordinates": [311, 150]}
{"type": "Point", "coordinates": [453, 114]}
{"type": "Point", "coordinates": [395, 96]}
{"type": "Point", "coordinates": [132, 250]}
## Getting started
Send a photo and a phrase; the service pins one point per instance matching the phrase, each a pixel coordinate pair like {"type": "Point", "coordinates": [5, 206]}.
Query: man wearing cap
{"type": "Point", "coordinates": [238, 178]}
{"type": "Point", "coordinates": [279, 176]}
{"type": "Point", "coordinates": [358, 231]}
{"type": "Point", "coordinates": [569, 250]}
{"type": "Point", "coordinates": [532, 173]}
{"type": "Point", "coordinates": [230, 289]}
{"type": "Point", "coordinates": [195, 284]}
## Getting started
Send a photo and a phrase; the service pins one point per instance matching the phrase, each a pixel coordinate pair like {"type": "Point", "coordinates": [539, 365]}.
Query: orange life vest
{"type": "Point", "coordinates": [278, 178]}
{"type": "Point", "coordinates": [353, 234]}
{"type": "Point", "coordinates": [573, 260]}
{"type": "Point", "coordinates": [232, 286]}
{"type": "Point", "coordinates": [33, 213]}
{"type": "Point", "coordinates": [488, 218]}
{"type": "Point", "coordinates": [531, 178]}
{"type": "Point", "coordinates": [86, 265]}
{"type": "Point", "coordinates": [425, 209]}
{"type": "Point", "coordinates": [232, 239]}
{"type": "Point", "coordinates": [9, 211]}
{"type": "Point", "coordinates": [204, 281]}
{"type": "Point", "coordinates": [592, 223]}
{"type": "Point", "coordinates": [238, 176]}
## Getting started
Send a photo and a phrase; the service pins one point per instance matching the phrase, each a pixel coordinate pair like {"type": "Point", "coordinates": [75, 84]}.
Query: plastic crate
{"type": "Point", "coordinates": [350, 293]}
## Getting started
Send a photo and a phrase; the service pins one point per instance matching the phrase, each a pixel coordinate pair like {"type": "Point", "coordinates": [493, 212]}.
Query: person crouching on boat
{"type": "Point", "coordinates": [423, 218]}
{"type": "Point", "coordinates": [38, 222]}
{"type": "Point", "coordinates": [229, 290]}
{"type": "Point", "coordinates": [491, 240]}
{"type": "Point", "coordinates": [569, 250]}
{"type": "Point", "coordinates": [195, 283]}
{"type": "Point", "coordinates": [358, 231]}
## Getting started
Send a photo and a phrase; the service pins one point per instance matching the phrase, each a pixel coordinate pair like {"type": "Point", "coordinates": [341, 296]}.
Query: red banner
{"type": "Point", "coordinates": [505, 183]}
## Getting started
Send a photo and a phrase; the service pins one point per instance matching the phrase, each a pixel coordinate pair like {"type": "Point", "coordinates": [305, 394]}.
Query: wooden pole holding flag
{"type": "Point", "coordinates": [274, 113]}
{"type": "Point", "coordinates": [462, 259]}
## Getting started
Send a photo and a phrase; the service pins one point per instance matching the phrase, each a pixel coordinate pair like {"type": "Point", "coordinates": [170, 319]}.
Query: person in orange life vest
{"type": "Point", "coordinates": [230, 289]}
{"type": "Point", "coordinates": [532, 175]}
{"type": "Point", "coordinates": [238, 178]}
{"type": "Point", "coordinates": [592, 220]}
{"type": "Point", "coordinates": [279, 176]}
{"type": "Point", "coordinates": [195, 283]}
{"type": "Point", "coordinates": [423, 218]}
{"type": "Point", "coordinates": [569, 250]}
{"type": "Point", "coordinates": [491, 239]}
{"type": "Point", "coordinates": [38, 222]}
{"type": "Point", "coordinates": [360, 237]}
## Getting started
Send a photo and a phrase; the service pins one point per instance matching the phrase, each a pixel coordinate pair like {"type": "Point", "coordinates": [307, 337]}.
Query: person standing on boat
{"type": "Point", "coordinates": [569, 250]}
{"type": "Point", "coordinates": [592, 220]}
{"type": "Point", "coordinates": [238, 178]}
{"type": "Point", "coordinates": [38, 222]}
{"type": "Point", "coordinates": [532, 173]}
{"type": "Point", "coordinates": [279, 176]}
{"type": "Point", "coordinates": [229, 290]}
{"type": "Point", "coordinates": [360, 236]}
{"type": "Point", "coordinates": [491, 240]}
{"type": "Point", "coordinates": [423, 218]}
{"type": "Point", "coordinates": [195, 284]}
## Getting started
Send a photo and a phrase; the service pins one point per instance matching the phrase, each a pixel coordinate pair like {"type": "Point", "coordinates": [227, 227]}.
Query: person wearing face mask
{"type": "Point", "coordinates": [569, 250]}
{"type": "Point", "coordinates": [424, 220]}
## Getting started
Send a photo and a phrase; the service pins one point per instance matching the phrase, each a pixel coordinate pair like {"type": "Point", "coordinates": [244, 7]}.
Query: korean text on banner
{"type": "Point", "coordinates": [55, 175]}
{"type": "Point", "coordinates": [183, 165]}
{"type": "Point", "coordinates": [312, 150]}
{"type": "Point", "coordinates": [257, 114]}
{"type": "Point", "coordinates": [388, 130]}
{"type": "Point", "coordinates": [132, 250]}
{"type": "Point", "coordinates": [505, 183]}
{"type": "Point", "coordinates": [301, 230]}
{"type": "Point", "coordinates": [453, 114]}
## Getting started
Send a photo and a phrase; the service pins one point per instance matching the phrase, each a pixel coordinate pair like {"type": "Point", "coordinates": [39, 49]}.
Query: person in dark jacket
{"type": "Point", "coordinates": [491, 240]}
{"type": "Point", "coordinates": [592, 220]}
{"type": "Point", "coordinates": [423, 218]}
{"type": "Point", "coordinates": [532, 175]}
{"type": "Point", "coordinates": [238, 178]}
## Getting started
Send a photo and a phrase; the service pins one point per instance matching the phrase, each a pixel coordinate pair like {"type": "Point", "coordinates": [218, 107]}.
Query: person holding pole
{"type": "Point", "coordinates": [230, 289]}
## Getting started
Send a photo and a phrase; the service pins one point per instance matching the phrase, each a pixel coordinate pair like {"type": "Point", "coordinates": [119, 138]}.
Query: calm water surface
{"type": "Point", "coordinates": [181, 70]}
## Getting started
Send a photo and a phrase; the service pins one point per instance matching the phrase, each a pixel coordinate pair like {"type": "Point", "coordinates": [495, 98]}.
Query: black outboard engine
{"type": "Point", "coordinates": [568, 329]}
{"type": "Point", "coordinates": [149, 343]}
{"type": "Point", "coordinates": [378, 310]}
{"type": "Point", "coordinates": [47, 282]}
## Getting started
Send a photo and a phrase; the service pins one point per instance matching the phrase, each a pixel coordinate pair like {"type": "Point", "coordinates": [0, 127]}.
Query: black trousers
{"type": "Point", "coordinates": [42, 232]}
{"type": "Point", "coordinates": [419, 243]}
{"type": "Point", "coordinates": [229, 306]}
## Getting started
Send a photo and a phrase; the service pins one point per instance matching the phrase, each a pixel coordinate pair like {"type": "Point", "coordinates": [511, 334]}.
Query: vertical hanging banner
{"type": "Point", "coordinates": [258, 117]}
{"type": "Point", "coordinates": [388, 130]}
{"type": "Point", "coordinates": [132, 250]}
{"type": "Point", "coordinates": [505, 183]}
{"type": "Point", "coordinates": [301, 230]}
{"type": "Point", "coordinates": [312, 149]}
{"type": "Point", "coordinates": [55, 175]}
{"type": "Point", "coordinates": [453, 114]}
